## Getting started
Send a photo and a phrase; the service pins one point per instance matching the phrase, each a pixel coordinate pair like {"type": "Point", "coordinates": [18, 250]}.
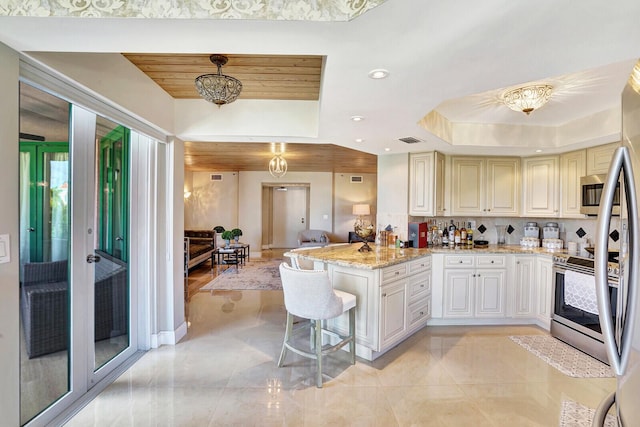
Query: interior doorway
{"type": "Point", "coordinates": [285, 213]}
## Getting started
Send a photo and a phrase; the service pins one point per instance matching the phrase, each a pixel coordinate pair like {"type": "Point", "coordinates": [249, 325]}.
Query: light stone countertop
{"type": "Point", "coordinates": [347, 255]}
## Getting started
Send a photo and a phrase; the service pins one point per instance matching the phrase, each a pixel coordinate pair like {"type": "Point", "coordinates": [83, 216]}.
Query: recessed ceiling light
{"type": "Point", "coordinates": [538, 151]}
{"type": "Point", "coordinates": [387, 149]}
{"type": "Point", "coordinates": [359, 140]}
{"type": "Point", "coordinates": [379, 73]}
{"type": "Point", "coordinates": [357, 118]}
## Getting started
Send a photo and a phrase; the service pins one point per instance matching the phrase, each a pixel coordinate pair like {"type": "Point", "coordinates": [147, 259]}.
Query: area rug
{"type": "Point", "coordinates": [574, 414]}
{"type": "Point", "coordinates": [257, 274]}
{"type": "Point", "coordinates": [563, 357]}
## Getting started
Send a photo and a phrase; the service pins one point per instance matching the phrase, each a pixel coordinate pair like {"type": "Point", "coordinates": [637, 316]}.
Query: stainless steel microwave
{"type": "Point", "coordinates": [590, 192]}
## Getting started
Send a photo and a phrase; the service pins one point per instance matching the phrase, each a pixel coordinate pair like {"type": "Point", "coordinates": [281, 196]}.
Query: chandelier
{"type": "Point", "coordinates": [218, 88]}
{"type": "Point", "coordinates": [278, 164]}
{"type": "Point", "coordinates": [527, 98]}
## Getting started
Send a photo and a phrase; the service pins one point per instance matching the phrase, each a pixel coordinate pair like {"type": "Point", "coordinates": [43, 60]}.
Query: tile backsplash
{"type": "Point", "coordinates": [571, 230]}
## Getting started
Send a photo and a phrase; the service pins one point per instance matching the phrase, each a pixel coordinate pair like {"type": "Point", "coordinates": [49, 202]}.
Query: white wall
{"type": "Point", "coordinates": [112, 77]}
{"type": "Point", "coordinates": [172, 177]}
{"type": "Point", "coordinates": [237, 201]}
{"type": "Point", "coordinates": [393, 191]}
{"type": "Point", "coordinates": [211, 203]}
{"type": "Point", "coordinates": [346, 194]}
{"type": "Point", "coordinates": [250, 201]}
{"type": "Point", "coordinates": [9, 223]}
{"type": "Point", "coordinates": [199, 120]}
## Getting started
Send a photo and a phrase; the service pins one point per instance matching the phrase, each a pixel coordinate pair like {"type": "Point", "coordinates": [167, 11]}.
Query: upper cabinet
{"type": "Point", "coordinates": [426, 184]}
{"type": "Point", "coordinates": [598, 158]}
{"type": "Point", "coordinates": [485, 186]}
{"type": "Point", "coordinates": [541, 186]}
{"type": "Point", "coordinates": [572, 167]}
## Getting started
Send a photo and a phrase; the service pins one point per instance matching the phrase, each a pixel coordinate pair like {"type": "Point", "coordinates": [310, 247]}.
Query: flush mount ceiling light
{"type": "Point", "coordinates": [527, 98]}
{"type": "Point", "coordinates": [218, 88]}
{"type": "Point", "coordinates": [379, 73]}
{"type": "Point", "coordinates": [357, 118]}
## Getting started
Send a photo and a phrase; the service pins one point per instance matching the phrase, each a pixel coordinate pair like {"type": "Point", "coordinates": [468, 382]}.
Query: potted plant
{"type": "Point", "coordinates": [227, 235]}
{"type": "Point", "coordinates": [236, 232]}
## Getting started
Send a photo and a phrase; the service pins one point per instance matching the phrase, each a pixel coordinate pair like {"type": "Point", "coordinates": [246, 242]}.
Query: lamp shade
{"type": "Point", "coordinates": [361, 210]}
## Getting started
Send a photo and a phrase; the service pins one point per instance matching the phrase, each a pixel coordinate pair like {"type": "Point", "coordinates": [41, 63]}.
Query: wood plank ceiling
{"type": "Point", "coordinates": [283, 77]}
{"type": "Point", "coordinates": [263, 76]}
{"type": "Point", "coordinates": [228, 157]}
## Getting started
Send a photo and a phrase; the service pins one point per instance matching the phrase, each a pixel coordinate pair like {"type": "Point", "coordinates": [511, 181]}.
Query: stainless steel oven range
{"type": "Point", "coordinates": [577, 327]}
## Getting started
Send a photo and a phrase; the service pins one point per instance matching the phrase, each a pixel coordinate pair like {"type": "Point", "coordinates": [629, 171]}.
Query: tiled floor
{"type": "Point", "coordinates": [224, 373]}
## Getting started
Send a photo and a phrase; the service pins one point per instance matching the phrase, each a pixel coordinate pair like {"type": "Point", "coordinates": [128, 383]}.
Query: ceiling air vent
{"type": "Point", "coordinates": [410, 140]}
{"type": "Point", "coordinates": [216, 177]}
{"type": "Point", "coordinates": [356, 179]}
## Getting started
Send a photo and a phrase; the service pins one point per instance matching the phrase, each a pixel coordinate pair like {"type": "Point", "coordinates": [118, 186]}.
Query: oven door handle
{"type": "Point", "coordinates": [620, 163]}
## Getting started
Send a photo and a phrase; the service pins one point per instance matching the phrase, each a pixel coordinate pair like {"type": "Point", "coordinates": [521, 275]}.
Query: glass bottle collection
{"type": "Point", "coordinates": [459, 235]}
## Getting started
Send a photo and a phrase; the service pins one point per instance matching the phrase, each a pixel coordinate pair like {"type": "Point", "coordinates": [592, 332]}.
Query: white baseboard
{"type": "Point", "coordinates": [169, 337]}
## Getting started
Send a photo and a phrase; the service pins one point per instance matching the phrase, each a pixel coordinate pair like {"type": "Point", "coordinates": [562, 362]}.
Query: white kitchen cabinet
{"type": "Point", "coordinates": [393, 311]}
{"type": "Point", "coordinates": [440, 184]}
{"type": "Point", "coordinates": [544, 279]}
{"type": "Point", "coordinates": [365, 285]}
{"type": "Point", "coordinates": [485, 186]}
{"type": "Point", "coordinates": [474, 286]}
{"type": "Point", "coordinates": [572, 168]}
{"type": "Point", "coordinates": [490, 295]}
{"type": "Point", "coordinates": [392, 303]}
{"type": "Point", "coordinates": [541, 186]}
{"type": "Point", "coordinates": [598, 158]}
{"type": "Point", "coordinates": [426, 184]}
{"type": "Point", "coordinates": [459, 293]}
{"type": "Point", "coordinates": [523, 287]}
{"type": "Point", "coordinates": [405, 300]}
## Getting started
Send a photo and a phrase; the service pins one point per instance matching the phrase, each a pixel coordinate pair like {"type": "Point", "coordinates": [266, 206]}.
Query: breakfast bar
{"type": "Point", "coordinates": [401, 290]}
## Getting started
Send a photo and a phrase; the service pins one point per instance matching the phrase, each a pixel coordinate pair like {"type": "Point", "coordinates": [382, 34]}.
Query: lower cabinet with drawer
{"type": "Point", "coordinates": [392, 303]}
{"type": "Point", "coordinates": [405, 301]}
{"type": "Point", "coordinates": [474, 286]}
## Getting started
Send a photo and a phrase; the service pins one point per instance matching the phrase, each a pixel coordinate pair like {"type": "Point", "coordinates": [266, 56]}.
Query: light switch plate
{"type": "Point", "coordinates": [5, 249]}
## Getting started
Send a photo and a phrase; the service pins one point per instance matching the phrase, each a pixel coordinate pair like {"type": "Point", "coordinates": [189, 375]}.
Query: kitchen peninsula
{"type": "Point", "coordinates": [401, 290]}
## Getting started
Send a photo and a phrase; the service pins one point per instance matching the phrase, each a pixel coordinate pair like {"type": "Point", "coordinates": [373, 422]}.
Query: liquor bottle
{"type": "Point", "coordinates": [452, 232]}
{"type": "Point", "coordinates": [470, 236]}
{"type": "Point", "coordinates": [463, 235]}
{"type": "Point", "coordinates": [457, 236]}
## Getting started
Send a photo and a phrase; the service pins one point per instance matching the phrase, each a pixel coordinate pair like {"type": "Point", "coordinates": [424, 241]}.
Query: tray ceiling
{"type": "Point", "coordinates": [286, 77]}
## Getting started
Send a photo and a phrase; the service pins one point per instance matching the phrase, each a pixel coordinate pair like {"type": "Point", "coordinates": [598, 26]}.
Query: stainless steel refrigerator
{"type": "Point", "coordinates": [622, 342]}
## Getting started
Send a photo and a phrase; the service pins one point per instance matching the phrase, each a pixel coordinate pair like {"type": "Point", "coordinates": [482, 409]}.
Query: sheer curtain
{"type": "Point", "coordinates": [59, 200]}
{"type": "Point", "coordinates": [25, 201]}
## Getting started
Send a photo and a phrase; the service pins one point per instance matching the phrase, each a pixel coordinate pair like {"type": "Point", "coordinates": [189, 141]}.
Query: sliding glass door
{"type": "Point", "coordinates": [45, 170]}
{"type": "Point", "coordinates": [75, 300]}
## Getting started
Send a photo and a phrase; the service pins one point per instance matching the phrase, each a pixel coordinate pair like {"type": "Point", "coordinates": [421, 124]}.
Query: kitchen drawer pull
{"type": "Point", "coordinates": [460, 261]}
{"type": "Point", "coordinates": [397, 272]}
{"type": "Point", "coordinates": [492, 261]}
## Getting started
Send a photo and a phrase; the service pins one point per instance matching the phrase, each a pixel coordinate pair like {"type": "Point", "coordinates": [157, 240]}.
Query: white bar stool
{"type": "Point", "coordinates": [308, 294]}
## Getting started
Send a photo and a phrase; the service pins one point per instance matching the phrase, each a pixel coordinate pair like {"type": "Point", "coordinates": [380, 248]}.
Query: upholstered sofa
{"type": "Point", "coordinates": [199, 246]}
{"type": "Point", "coordinates": [313, 238]}
{"type": "Point", "coordinates": [45, 298]}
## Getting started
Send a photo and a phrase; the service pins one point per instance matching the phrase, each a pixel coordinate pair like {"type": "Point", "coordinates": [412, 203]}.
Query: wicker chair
{"type": "Point", "coordinates": [45, 299]}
